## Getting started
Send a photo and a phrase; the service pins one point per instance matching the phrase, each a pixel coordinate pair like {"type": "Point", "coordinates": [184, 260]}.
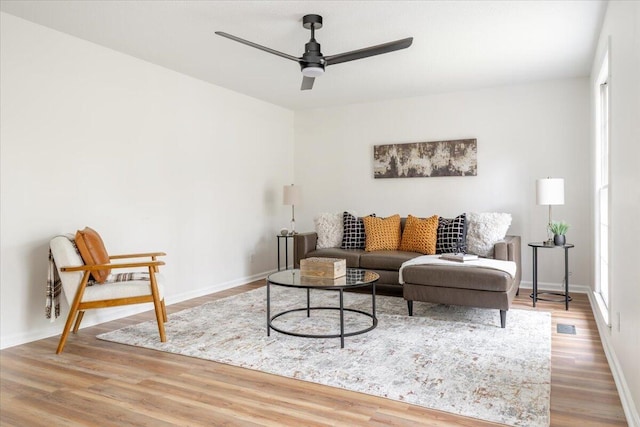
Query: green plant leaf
{"type": "Point", "coordinates": [559, 227]}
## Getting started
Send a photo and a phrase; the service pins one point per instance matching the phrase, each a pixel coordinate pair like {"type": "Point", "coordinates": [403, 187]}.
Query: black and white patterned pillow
{"type": "Point", "coordinates": [353, 236]}
{"type": "Point", "coordinates": [355, 275]}
{"type": "Point", "coordinates": [452, 234]}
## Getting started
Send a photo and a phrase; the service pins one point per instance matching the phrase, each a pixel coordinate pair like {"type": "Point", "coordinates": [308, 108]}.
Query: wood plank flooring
{"type": "Point", "coordinates": [100, 383]}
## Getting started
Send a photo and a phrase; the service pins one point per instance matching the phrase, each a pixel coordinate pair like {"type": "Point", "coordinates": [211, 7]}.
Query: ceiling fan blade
{"type": "Point", "coordinates": [307, 83]}
{"type": "Point", "coordinates": [368, 51]}
{"type": "Point", "coordinates": [257, 46]}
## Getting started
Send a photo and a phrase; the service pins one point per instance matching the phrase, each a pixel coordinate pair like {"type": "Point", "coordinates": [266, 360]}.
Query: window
{"type": "Point", "coordinates": [602, 188]}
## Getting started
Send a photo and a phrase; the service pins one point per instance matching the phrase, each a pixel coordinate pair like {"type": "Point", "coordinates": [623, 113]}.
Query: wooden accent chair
{"type": "Point", "coordinates": [76, 262]}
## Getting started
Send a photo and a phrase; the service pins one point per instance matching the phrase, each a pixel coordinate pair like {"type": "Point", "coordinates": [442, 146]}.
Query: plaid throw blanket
{"type": "Point", "coordinates": [127, 277]}
{"type": "Point", "coordinates": [54, 284]}
{"type": "Point", "coordinates": [54, 288]}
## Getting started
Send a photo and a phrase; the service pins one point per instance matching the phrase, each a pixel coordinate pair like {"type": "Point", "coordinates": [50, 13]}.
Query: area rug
{"type": "Point", "coordinates": [449, 358]}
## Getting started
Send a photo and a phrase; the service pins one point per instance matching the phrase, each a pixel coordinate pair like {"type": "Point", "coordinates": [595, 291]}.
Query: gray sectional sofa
{"type": "Point", "coordinates": [455, 285]}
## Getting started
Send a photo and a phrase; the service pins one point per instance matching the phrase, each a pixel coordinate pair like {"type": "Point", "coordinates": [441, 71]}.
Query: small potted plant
{"type": "Point", "coordinates": [559, 229]}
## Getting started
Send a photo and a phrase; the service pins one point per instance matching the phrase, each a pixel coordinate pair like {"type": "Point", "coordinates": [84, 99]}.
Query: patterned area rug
{"type": "Point", "coordinates": [450, 358]}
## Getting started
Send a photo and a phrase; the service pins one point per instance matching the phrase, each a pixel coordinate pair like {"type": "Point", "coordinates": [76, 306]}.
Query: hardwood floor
{"type": "Point", "coordinates": [100, 383]}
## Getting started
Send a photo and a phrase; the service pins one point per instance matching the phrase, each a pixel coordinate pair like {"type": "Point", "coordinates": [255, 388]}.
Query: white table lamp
{"type": "Point", "coordinates": [291, 196]}
{"type": "Point", "coordinates": [550, 191]}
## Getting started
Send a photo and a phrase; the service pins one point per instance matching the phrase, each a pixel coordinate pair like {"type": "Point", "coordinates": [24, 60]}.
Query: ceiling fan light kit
{"type": "Point", "coordinates": [313, 62]}
{"type": "Point", "coordinates": [312, 71]}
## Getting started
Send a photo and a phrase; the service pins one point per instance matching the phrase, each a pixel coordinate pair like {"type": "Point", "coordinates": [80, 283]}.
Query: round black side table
{"type": "Point", "coordinates": [564, 296]}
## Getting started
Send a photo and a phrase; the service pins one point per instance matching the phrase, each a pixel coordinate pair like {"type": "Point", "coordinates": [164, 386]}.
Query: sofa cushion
{"type": "Point", "coordinates": [93, 252]}
{"type": "Point", "coordinates": [388, 278]}
{"type": "Point", "coordinates": [385, 260]}
{"type": "Point", "coordinates": [353, 233]}
{"type": "Point", "coordinates": [420, 235]}
{"type": "Point", "coordinates": [382, 234]}
{"type": "Point", "coordinates": [351, 255]}
{"type": "Point", "coordinates": [329, 228]}
{"type": "Point", "coordinates": [451, 235]}
{"type": "Point", "coordinates": [484, 230]}
{"type": "Point", "coordinates": [483, 279]}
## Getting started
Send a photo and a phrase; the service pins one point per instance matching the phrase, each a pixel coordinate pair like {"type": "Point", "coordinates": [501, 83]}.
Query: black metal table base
{"type": "Point", "coordinates": [286, 250]}
{"type": "Point", "coordinates": [565, 295]}
{"type": "Point", "coordinates": [309, 309]}
{"type": "Point", "coordinates": [340, 335]}
{"type": "Point", "coordinates": [562, 297]}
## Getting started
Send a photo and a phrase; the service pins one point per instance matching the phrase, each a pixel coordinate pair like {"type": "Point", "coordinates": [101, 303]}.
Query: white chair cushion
{"type": "Point", "coordinates": [133, 288]}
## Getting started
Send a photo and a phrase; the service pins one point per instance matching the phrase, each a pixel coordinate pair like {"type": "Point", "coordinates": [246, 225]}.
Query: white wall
{"type": "Point", "coordinates": [523, 132]}
{"type": "Point", "coordinates": [152, 159]}
{"type": "Point", "coordinates": [621, 29]}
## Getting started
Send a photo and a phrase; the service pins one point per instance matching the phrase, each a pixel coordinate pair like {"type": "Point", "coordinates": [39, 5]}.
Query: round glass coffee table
{"type": "Point", "coordinates": [355, 278]}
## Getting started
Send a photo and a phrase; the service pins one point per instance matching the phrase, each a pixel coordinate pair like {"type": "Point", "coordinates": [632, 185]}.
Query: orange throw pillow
{"type": "Point", "coordinates": [420, 235]}
{"type": "Point", "coordinates": [382, 234]}
{"type": "Point", "coordinates": [93, 252]}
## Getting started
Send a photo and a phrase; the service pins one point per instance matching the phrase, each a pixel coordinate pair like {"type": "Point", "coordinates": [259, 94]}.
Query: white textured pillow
{"type": "Point", "coordinates": [484, 230]}
{"type": "Point", "coordinates": [329, 228]}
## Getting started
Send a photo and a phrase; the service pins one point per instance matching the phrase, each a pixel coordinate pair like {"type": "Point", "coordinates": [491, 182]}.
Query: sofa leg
{"type": "Point", "coordinates": [410, 307]}
{"type": "Point", "coordinates": [518, 291]}
{"type": "Point", "coordinates": [503, 318]}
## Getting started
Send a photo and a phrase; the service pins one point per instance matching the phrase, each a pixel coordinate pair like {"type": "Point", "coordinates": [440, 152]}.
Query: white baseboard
{"type": "Point", "coordinates": [107, 315]}
{"type": "Point", "coordinates": [557, 287]}
{"type": "Point", "coordinates": [630, 410]}
{"type": "Point", "coordinates": [215, 288]}
{"type": "Point", "coordinates": [629, 407]}
{"type": "Point", "coordinates": [115, 313]}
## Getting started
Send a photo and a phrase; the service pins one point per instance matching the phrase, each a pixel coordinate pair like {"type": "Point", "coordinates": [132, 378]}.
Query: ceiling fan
{"type": "Point", "coordinates": [312, 62]}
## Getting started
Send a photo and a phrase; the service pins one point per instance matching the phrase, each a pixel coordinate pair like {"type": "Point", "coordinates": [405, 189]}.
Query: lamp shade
{"type": "Point", "coordinates": [291, 195]}
{"type": "Point", "coordinates": [550, 191]}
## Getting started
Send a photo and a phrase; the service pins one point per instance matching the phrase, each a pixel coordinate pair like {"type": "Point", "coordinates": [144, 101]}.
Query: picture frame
{"type": "Point", "coordinates": [426, 159]}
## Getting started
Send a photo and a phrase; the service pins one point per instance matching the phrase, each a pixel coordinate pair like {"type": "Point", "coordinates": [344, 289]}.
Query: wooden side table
{"type": "Point", "coordinates": [286, 249]}
{"type": "Point", "coordinates": [564, 295]}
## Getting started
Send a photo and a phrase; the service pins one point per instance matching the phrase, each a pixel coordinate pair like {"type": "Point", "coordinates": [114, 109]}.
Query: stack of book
{"type": "Point", "coordinates": [460, 257]}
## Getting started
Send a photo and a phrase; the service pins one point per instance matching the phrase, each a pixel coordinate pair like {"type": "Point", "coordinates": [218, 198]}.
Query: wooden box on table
{"type": "Point", "coordinates": [328, 268]}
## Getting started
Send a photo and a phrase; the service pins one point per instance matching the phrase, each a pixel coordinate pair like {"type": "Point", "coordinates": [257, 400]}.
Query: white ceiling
{"type": "Point", "coordinates": [458, 45]}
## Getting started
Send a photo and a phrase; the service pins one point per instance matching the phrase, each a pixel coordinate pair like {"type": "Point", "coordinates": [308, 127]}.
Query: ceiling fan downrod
{"type": "Point", "coordinates": [312, 61]}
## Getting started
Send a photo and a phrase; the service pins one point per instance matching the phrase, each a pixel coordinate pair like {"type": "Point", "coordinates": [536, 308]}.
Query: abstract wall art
{"type": "Point", "coordinates": [426, 159]}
